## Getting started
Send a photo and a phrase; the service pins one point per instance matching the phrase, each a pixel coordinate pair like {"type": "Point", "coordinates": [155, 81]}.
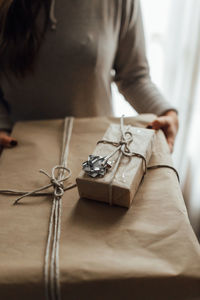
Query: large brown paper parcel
{"type": "Point", "coordinates": [118, 186]}
{"type": "Point", "coordinates": [148, 252]}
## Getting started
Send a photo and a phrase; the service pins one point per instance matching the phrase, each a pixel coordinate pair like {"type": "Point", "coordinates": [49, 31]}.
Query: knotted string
{"type": "Point", "coordinates": [54, 182]}
{"type": "Point", "coordinates": [123, 146]}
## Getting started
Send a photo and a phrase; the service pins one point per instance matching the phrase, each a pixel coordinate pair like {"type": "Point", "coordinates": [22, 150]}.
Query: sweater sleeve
{"type": "Point", "coordinates": [5, 123]}
{"type": "Point", "coordinates": [131, 66]}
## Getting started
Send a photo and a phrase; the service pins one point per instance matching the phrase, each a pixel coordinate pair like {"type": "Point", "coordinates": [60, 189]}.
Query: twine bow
{"type": "Point", "coordinates": [55, 182]}
{"type": "Point", "coordinates": [126, 139]}
{"type": "Point", "coordinates": [124, 144]}
{"type": "Point", "coordinates": [98, 165]}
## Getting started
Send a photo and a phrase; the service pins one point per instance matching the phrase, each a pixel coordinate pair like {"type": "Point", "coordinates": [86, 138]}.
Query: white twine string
{"type": "Point", "coordinates": [51, 269]}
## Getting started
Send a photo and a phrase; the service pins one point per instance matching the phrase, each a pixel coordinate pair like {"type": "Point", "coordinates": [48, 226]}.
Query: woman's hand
{"type": "Point", "coordinates": [6, 140]}
{"type": "Point", "coordinates": [168, 122]}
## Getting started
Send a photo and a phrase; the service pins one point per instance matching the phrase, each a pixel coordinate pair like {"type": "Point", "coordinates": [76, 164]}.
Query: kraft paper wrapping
{"type": "Point", "coordinates": [125, 182]}
{"type": "Point", "coordinates": [146, 252]}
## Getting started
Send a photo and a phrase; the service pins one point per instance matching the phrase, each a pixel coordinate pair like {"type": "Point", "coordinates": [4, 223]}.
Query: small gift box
{"type": "Point", "coordinates": [115, 169]}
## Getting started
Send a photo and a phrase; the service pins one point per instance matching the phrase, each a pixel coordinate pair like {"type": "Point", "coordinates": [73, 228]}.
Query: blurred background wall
{"type": "Point", "coordinates": [172, 33]}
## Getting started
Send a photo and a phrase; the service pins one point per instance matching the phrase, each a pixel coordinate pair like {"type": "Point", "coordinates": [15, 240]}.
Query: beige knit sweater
{"type": "Point", "coordinates": [74, 66]}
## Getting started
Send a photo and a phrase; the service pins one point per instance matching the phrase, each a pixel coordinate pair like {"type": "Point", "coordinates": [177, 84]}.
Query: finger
{"type": "Point", "coordinates": [171, 147]}
{"type": "Point", "coordinates": [7, 141]}
{"type": "Point", "coordinates": [160, 123]}
{"type": "Point", "coordinates": [170, 142]}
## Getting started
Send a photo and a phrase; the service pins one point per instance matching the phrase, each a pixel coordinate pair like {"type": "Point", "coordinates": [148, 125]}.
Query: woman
{"type": "Point", "coordinates": [58, 59]}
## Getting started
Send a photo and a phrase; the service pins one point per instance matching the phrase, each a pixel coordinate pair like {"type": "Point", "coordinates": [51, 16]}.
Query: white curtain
{"type": "Point", "coordinates": [172, 31]}
{"type": "Point", "coordinates": [182, 87]}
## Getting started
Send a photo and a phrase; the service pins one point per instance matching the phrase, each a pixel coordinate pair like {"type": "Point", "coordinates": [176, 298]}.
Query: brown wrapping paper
{"type": "Point", "coordinates": [125, 181]}
{"type": "Point", "coordinates": [146, 252]}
